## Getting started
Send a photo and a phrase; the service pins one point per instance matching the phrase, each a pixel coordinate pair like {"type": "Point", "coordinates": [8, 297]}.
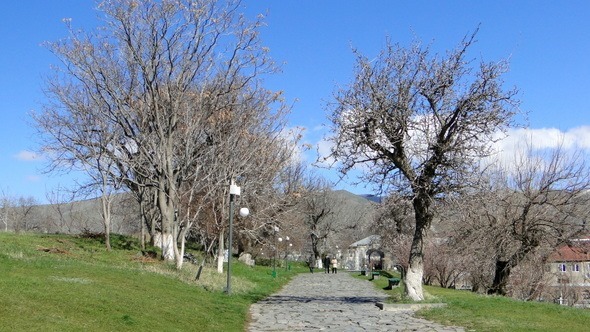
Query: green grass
{"type": "Point", "coordinates": [61, 283]}
{"type": "Point", "coordinates": [496, 313]}
{"type": "Point", "coordinates": [476, 312]}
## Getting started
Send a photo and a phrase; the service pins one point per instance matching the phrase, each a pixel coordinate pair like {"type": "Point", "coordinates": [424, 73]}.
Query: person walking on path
{"type": "Point", "coordinates": [334, 264]}
{"type": "Point", "coordinates": [314, 302]}
{"type": "Point", "coordinates": [327, 264]}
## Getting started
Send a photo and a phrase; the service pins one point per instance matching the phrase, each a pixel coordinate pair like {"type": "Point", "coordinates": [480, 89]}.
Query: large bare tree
{"type": "Point", "coordinates": [170, 84]}
{"type": "Point", "coordinates": [417, 123]}
{"type": "Point", "coordinates": [530, 205]}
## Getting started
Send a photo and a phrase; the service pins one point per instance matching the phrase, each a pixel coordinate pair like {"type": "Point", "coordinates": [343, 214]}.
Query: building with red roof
{"type": "Point", "coordinates": [569, 269]}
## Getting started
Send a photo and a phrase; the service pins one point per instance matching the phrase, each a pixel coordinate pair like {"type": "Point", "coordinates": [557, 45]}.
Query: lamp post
{"type": "Point", "coordinates": [287, 245]}
{"type": "Point", "coordinates": [244, 212]}
{"type": "Point", "coordinates": [279, 247]}
{"type": "Point", "coordinates": [274, 256]}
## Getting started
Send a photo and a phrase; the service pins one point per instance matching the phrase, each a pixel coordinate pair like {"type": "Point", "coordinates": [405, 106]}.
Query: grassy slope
{"type": "Point", "coordinates": [77, 286]}
{"type": "Point", "coordinates": [478, 312]}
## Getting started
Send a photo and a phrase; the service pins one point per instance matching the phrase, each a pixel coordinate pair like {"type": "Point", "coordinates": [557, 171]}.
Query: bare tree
{"type": "Point", "coordinates": [60, 201]}
{"type": "Point", "coordinates": [255, 155]}
{"type": "Point", "coordinates": [25, 208]}
{"type": "Point", "coordinates": [419, 123]}
{"type": "Point", "coordinates": [107, 187]}
{"type": "Point", "coordinates": [529, 279]}
{"type": "Point", "coordinates": [170, 83]}
{"type": "Point", "coordinates": [326, 216]}
{"type": "Point", "coordinates": [394, 224]}
{"type": "Point", "coordinates": [444, 265]}
{"type": "Point", "coordinates": [318, 207]}
{"type": "Point", "coordinates": [537, 202]}
{"type": "Point", "coordinates": [7, 205]}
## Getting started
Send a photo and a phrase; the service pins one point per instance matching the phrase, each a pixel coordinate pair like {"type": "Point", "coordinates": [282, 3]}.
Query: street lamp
{"type": "Point", "coordinates": [279, 247]}
{"type": "Point", "coordinates": [287, 252]}
{"type": "Point", "coordinates": [244, 212]}
{"type": "Point", "coordinates": [274, 258]}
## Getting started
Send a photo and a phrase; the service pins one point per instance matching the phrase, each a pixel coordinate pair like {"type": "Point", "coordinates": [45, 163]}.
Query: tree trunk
{"type": "Point", "coordinates": [106, 217]}
{"type": "Point", "coordinates": [107, 231]}
{"type": "Point", "coordinates": [414, 278]}
{"type": "Point", "coordinates": [416, 268]}
{"type": "Point", "coordinates": [167, 213]}
{"type": "Point", "coordinates": [314, 246]}
{"type": "Point", "coordinates": [182, 238]}
{"type": "Point", "coordinates": [220, 254]}
{"type": "Point", "coordinates": [143, 222]}
{"type": "Point", "coordinates": [504, 268]}
{"type": "Point", "coordinates": [179, 253]}
{"type": "Point", "coordinates": [501, 275]}
{"type": "Point", "coordinates": [416, 261]}
{"type": "Point", "coordinates": [153, 222]}
{"type": "Point", "coordinates": [166, 207]}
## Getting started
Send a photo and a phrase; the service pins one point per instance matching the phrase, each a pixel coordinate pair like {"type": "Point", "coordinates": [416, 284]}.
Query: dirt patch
{"type": "Point", "coordinates": [54, 251]}
{"type": "Point", "coordinates": [145, 257]}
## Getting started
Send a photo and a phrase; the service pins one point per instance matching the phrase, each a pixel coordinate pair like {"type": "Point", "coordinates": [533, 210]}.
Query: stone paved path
{"type": "Point", "coordinates": [337, 302]}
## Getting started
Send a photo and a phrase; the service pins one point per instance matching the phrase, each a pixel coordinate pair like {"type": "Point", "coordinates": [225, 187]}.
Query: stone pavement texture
{"type": "Point", "coordinates": [337, 302]}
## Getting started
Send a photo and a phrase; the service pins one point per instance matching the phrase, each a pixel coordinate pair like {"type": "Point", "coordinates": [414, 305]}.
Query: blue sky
{"type": "Point", "coordinates": [548, 43]}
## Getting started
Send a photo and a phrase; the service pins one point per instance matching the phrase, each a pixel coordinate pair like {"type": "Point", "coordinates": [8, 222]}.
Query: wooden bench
{"type": "Point", "coordinates": [393, 282]}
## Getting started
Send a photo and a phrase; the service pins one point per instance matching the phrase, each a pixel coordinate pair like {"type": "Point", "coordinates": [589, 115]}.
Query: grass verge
{"type": "Point", "coordinates": [63, 283]}
{"type": "Point", "coordinates": [476, 312]}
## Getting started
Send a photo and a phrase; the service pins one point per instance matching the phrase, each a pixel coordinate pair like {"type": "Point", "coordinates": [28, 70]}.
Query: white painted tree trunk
{"type": "Point", "coordinates": [414, 281]}
{"type": "Point", "coordinates": [106, 215]}
{"type": "Point", "coordinates": [166, 208]}
{"type": "Point", "coordinates": [220, 254]}
{"type": "Point", "coordinates": [168, 246]}
{"type": "Point", "coordinates": [180, 253]}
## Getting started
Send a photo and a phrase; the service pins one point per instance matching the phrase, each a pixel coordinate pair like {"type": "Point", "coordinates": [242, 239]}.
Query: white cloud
{"type": "Point", "coordinates": [518, 141]}
{"type": "Point", "coordinates": [321, 128]}
{"type": "Point", "coordinates": [508, 148]}
{"type": "Point", "coordinates": [294, 135]}
{"type": "Point", "coordinates": [324, 149]}
{"type": "Point", "coordinates": [580, 136]}
{"type": "Point", "coordinates": [25, 155]}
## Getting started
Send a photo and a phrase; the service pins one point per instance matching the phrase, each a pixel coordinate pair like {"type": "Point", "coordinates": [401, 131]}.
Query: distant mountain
{"type": "Point", "coordinates": [372, 198]}
{"type": "Point", "coordinates": [74, 217]}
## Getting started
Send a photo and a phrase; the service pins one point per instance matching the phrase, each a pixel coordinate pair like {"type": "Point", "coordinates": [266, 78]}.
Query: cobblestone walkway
{"type": "Point", "coordinates": [337, 302]}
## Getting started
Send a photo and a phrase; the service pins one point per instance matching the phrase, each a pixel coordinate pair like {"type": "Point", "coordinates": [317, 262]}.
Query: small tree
{"type": "Point", "coordinates": [6, 209]}
{"type": "Point", "coordinates": [318, 210]}
{"type": "Point", "coordinates": [419, 124]}
{"type": "Point", "coordinates": [25, 208]}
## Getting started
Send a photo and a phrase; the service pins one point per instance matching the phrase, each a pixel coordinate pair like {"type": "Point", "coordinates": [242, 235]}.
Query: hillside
{"type": "Point", "coordinates": [85, 215]}
{"type": "Point", "coordinates": [73, 217]}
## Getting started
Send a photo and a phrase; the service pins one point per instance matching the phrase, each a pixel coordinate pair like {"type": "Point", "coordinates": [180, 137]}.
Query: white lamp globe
{"type": "Point", "coordinates": [244, 212]}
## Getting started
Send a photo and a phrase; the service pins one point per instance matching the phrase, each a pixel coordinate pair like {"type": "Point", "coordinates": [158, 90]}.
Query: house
{"type": "Point", "coordinates": [569, 273]}
{"type": "Point", "coordinates": [366, 254]}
